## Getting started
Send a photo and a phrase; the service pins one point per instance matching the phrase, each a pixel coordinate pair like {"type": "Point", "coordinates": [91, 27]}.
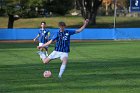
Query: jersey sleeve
{"type": "Point", "coordinates": [48, 34]}
{"type": "Point", "coordinates": [39, 32]}
{"type": "Point", "coordinates": [54, 37]}
{"type": "Point", "coordinates": [71, 32]}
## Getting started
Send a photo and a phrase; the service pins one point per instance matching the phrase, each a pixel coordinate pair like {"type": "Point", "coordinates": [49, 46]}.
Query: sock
{"type": "Point", "coordinates": [62, 69]}
{"type": "Point", "coordinates": [47, 53]}
{"type": "Point", "coordinates": [44, 52]}
{"type": "Point", "coordinates": [43, 56]}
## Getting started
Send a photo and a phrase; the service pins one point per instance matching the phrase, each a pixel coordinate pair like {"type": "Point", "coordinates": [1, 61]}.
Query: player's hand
{"type": "Point", "coordinates": [86, 21]}
{"type": "Point", "coordinates": [34, 40]}
{"type": "Point", "coordinates": [38, 47]}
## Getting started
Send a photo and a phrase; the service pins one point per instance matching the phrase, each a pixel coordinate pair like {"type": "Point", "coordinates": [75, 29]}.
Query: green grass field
{"type": "Point", "coordinates": [94, 67]}
{"type": "Point", "coordinates": [52, 22]}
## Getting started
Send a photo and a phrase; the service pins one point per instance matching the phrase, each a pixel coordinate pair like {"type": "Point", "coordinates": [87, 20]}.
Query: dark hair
{"type": "Point", "coordinates": [43, 22]}
{"type": "Point", "coordinates": [61, 24]}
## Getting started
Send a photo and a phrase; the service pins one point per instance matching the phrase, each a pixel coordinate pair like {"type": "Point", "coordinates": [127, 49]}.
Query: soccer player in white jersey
{"type": "Point", "coordinates": [43, 37]}
{"type": "Point", "coordinates": [62, 46]}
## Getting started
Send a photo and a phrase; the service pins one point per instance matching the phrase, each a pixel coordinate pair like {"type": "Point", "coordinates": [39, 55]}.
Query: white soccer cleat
{"type": "Point", "coordinates": [42, 55]}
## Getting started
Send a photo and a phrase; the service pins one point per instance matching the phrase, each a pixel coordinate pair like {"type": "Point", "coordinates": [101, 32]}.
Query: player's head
{"type": "Point", "coordinates": [62, 25]}
{"type": "Point", "coordinates": [43, 24]}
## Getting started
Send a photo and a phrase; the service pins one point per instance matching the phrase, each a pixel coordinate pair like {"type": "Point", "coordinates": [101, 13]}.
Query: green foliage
{"type": "Point", "coordinates": [2, 12]}
{"type": "Point", "coordinates": [11, 6]}
{"type": "Point", "coordinates": [21, 7]}
{"type": "Point", "coordinates": [35, 3]}
{"type": "Point", "coordinates": [31, 8]}
{"type": "Point", "coordinates": [60, 7]}
{"type": "Point", "coordinates": [89, 9]}
{"type": "Point", "coordinates": [123, 3]}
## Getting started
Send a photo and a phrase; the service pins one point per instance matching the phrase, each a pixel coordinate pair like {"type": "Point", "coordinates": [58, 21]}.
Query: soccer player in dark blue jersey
{"type": "Point", "coordinates": [62, 46]}
{"type": "Point", "coordinates": [43, 37]}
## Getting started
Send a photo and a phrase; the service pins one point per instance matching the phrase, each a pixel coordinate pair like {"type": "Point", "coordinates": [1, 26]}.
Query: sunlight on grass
{"type": "Point", "coordinates": [94, 67]}
{"type": "Point", "coordinates": [52, 22]}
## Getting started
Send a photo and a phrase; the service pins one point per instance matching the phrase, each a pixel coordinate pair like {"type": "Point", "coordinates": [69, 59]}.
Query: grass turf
{"type": "Point", "coordinates": [52, 22]}
{"type": "Point", "coordinates": [94, 67]}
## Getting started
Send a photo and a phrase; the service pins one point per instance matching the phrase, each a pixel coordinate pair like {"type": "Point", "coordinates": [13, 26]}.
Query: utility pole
{"type": "Point", "coordinates": [115, 12]}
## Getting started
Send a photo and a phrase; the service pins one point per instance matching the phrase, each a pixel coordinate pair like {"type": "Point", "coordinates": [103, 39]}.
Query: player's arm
{"type": "Point", "coordinates": [49, 42]}
{"type": "Point", "coordinates": [83, 27]}
{"type": "Point", "coordinates": [36, 37]}
{"type": "Point", "coordinates": [46, 44]}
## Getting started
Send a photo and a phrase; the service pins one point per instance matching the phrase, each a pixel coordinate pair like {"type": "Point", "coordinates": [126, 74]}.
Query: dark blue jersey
{"type": "Point", "coordinates": [43, 35]}
{"type": "Point", "coordinates": [63, 40]}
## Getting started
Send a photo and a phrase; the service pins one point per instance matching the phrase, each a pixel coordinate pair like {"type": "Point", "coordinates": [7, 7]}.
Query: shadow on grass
{"type": "Point", "coordinates": [122, 73]}
{"type": "Point", "coordinates": [17, 45]}
{"type": "Point", "coordinates": [125, 24]}
{"type": "Point", "coordinates": [106, 68]}
{"type": "Point", "coordinates": [73, 44]}
{"type": "Point", "coordinates": [62, 89]}
{"type": "Point", "coordinates": [98, 25]}
{"type": "Point", "coordinates": [88, 75]}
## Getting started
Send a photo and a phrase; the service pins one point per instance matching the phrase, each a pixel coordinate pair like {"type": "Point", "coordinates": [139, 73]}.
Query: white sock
{"type": "Point", "coordinates": [44, 52]}
{"type": "Point", "coordinates": [43, 56]}
{"type": "Point", "coordinates": [62, 69]}
{"type": "Point", "coordinates": [47, 53]}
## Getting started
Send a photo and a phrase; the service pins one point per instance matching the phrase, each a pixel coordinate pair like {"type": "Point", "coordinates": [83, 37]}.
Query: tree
{"type": "Point", "coordinates": [89, 9]}
{"type": "Point", "coordinates": [2, 10]}
{"type": "Point", "coordinates": [122, 6]}
{"type": "Point", "coordinates": [122, 3]}
{"type": "Point", "coordinates": [12, 9]}
{"type": "Point", "coordinates": [60, 7]}
{"type": "Point", "coordinates": [21, 8]}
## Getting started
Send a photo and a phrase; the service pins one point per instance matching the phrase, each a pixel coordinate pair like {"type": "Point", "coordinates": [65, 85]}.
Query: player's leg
{"type": "Point", "coordinates": [41, 49]}
{"type": "Point", "coordinates": [40, 44]}
{"type": "Point", "coordinates": [43, 57]}
{"type": "Point", "coordinates": [52, 56]}
{"type": "Point", "coordinates": [46, 60]}
{"type": "Point", "coordinates": [64, 59]}
{"type": "Point", "coordinates": [46, 51]}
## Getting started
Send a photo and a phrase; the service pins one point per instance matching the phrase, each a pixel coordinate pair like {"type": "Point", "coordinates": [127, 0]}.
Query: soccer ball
{"type": "Point", "coordinates": [47, 74]}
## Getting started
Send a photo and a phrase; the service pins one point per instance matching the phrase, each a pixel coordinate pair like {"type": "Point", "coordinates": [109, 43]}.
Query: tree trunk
{"type": "Point", "coordinates": [92, 19]}
{"type": "Point", "coordinates": [89, 9]}
{"type": "Point", "coordinates": [11, 21]}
